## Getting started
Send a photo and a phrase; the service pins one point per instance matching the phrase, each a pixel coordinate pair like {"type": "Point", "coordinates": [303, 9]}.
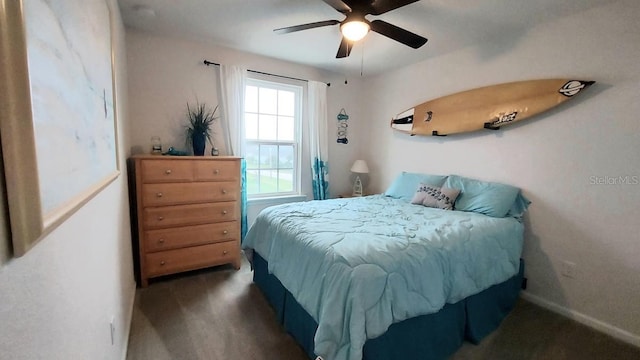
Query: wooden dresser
{"type": "Point", "coordinates": [188, 213]}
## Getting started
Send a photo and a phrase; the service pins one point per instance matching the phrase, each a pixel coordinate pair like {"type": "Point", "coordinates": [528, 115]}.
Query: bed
{"type": "Point", "coordinates": [380, 277]}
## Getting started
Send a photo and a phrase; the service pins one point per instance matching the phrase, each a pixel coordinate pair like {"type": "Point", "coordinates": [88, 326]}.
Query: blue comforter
{"type": "Point", "coordinates": [359, 265]}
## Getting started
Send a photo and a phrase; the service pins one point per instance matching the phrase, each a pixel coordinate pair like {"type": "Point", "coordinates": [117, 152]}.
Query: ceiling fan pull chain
{"type": "Point", "coordinates": [362, 58]}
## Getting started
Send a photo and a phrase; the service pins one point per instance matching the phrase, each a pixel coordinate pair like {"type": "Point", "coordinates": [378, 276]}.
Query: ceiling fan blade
{"type": "Point", "coordinates": [339, 5]}
{"type": "Point", "coordinates": [380, 7]}
{"type": "Point", "coordinates": [398, 34]}
{"type": "Point", "coordinates": [345, 48]}
{"type": "Point", "coordinates": [290, 29]}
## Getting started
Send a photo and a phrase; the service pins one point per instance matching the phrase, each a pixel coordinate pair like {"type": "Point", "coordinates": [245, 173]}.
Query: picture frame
{"type": "Point", "coordinates": [58, 124]}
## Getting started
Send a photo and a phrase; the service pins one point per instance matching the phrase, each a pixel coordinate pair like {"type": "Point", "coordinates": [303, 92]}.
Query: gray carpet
{"type": "Point", "coordinates": [219, 314]}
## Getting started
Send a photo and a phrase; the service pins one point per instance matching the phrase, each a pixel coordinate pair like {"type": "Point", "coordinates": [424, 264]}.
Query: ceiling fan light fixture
{"type": "Point", "coordinates": [354, 30]}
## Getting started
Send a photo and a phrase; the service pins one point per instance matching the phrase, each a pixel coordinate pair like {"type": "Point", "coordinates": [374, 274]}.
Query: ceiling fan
{"type": "Point", "coordinates": [355, 26]}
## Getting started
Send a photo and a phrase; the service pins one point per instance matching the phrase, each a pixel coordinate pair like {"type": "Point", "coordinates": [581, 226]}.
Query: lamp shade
{"type": "Point", "coordinates": [360, 167]}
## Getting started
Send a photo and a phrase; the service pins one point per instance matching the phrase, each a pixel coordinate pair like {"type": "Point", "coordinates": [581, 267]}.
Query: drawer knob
{"type": "Point", "coordinates": [160, 218]}
{"type": "Point", "coordinates": [168, 171]}
{"type": "Point", "coordinates": [224, 212]}
{"type": "Point", "coordinates": [162, 263]}
{"type": "Point", "coordinates": [224, 191]}
{"type": "Point", "coordinates": [161, 241]}
{"type": "Point", "coordinates": [159, 195]}
{"type": "Point", "coordinates": [225, 252]}
{"type": "Point", "coordinates": [216, 171]}
{"type": "Point", "coordinates": [225, 232]}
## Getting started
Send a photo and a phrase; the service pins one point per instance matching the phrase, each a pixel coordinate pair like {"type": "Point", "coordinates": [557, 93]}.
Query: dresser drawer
{"type": "Point", "coordinates": [173, 238]}
{"type": "Point", "coordinates": [189, 193]}
{"type": "Point", "coordinates": [166, 171]}
{"type": "Point", "coordinates": [221, 170]}
{"type": "Point", "coordinates": [182, 215]}
{"type": "Point", "coordinates": [172, 261]}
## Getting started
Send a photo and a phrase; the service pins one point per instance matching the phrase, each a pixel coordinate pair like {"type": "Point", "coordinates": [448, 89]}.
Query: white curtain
{"type": "Point", "coordinates": [232, 89]}
{"type": "Point", "coordinates": [318, 143]}
{"type": "Point", "coordinates": [232, 86]}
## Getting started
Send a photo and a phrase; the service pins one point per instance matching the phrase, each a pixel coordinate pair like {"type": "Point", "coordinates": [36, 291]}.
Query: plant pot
{"type": "Point", "coordinates": [199, 141]}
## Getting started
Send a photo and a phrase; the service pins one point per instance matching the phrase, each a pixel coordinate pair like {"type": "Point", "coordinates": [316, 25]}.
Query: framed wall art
{"type": "Point", "coordinates": [57, 107]}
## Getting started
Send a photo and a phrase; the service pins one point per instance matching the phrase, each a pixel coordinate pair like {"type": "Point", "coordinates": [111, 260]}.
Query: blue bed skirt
{"type": "Point", "coordinates": [433, 336]}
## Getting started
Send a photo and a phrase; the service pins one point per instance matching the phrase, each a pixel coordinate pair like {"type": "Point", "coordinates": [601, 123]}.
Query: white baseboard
{"type": "Point", "coordinates": [129, 317]}
{"type": "Point", "coordinates": [598, 325]}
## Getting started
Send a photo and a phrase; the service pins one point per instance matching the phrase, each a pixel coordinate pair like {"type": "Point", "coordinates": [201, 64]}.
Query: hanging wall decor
{"type": "Point", "coordinates": [489, 107]}
{"type": "Point", "coordinates": [342, 127]}
{"type": "Point", "coordinates": [57, 111]}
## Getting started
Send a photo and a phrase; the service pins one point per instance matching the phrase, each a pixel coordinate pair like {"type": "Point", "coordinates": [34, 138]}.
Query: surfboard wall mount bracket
{"type": "Point", "coordinates": [435, 133]}
{"type": "Point", "coordinates": [489, 126]}
{"type": "Point", "coordinates": [403, 120]}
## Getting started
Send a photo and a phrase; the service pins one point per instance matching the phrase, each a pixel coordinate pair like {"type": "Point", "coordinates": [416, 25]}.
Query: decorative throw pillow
{"type": "Point", "coordinates": [435, 197]}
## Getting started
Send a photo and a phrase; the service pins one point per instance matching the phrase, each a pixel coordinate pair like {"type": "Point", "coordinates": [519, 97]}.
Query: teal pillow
{"type": "Point", "coordinates": [519, 206]}
{"type": "Point", "coordinates": [493, 199]}
{"type": "Point", "coordinates": [406, 184]}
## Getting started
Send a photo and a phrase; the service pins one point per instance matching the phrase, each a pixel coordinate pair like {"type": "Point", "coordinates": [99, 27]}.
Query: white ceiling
{"type": "Point", "coordinates": [486, 26]}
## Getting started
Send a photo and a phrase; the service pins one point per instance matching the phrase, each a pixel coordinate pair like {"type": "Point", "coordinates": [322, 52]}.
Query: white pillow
{"type": "Point", "coordinates": [435, 197]}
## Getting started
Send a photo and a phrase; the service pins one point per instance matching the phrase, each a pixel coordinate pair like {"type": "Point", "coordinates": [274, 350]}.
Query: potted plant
{"type": "Point", "coordinates": [199, 127]}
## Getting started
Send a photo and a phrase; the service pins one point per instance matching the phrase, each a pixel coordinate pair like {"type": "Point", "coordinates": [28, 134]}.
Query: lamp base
{"type": "Point", "coordinates": [357, 187]}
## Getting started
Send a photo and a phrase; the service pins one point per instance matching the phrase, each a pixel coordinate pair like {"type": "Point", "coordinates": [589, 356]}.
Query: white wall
{"type": "Point", "coordinates": [57, 300]}
{"type": "Point", "coordinates": [552, 158]}
{"type": "Point", "coordinates": [166, 73]}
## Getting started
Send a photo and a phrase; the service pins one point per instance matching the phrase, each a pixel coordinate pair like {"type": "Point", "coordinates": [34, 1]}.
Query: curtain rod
{"type": "Point", "coordinates": [208, 63]}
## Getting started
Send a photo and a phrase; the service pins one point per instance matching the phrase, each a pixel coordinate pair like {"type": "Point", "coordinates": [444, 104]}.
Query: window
{"type": "Point", "coordinates": [272, 134]}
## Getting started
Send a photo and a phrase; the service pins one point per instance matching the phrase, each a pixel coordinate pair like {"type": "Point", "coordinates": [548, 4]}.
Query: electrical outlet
{"type": "Point", "coordinates": [112, 329]}
{"type": "Point", "coordinates": [568, 269]}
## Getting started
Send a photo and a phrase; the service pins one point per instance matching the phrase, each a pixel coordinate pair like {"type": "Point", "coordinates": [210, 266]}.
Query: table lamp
{"type": "Point", "coordinates": [359, 167]}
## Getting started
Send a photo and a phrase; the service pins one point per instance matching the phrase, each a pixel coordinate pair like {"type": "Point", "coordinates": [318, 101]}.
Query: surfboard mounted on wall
{"type": "Point", "coordinates": [489, 107]}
